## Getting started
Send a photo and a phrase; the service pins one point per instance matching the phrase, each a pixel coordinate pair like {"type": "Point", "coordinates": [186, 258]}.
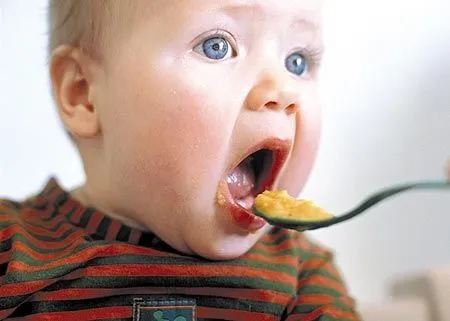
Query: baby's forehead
{"type": "Point", "coordinates": [92, 23]}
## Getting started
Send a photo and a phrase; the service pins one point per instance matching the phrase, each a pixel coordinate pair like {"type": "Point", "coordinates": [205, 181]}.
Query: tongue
{"type": "Point", "coordinates": [241, 181]}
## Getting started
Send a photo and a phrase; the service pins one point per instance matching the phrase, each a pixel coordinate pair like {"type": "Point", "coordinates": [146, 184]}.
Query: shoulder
{"type": "Point", "coordinates": [11, 213]}
{"type": "Point", "coordinates": [9, 207]}
{"type": "Point", "coordinates": [32, 229]}
{"type": "Point", "coordinates": [20, 212]}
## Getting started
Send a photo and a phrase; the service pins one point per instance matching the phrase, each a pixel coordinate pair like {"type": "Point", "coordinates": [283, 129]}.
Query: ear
{"type": "Point", "coordinates": [71, 79]}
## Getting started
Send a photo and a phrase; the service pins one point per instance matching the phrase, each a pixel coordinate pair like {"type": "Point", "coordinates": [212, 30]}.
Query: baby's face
{"type": "Point", "coordinates": [188, 95]}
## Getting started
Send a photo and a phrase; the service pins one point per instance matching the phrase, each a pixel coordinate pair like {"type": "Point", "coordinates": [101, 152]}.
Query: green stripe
{"type": "Point", "coordinates": [322, 272]}
{"type": "Point", "coordinates": [33, 246]}
{"type": "Point", "coordinates": [277, 241]}
{"type": "Point", "coordinates": [289, 252]}
{"type": "Point", "coordinates": [150, 259]}
{"type": "Point", "coordinates": [145, 281]}
{"type": "Point", "coordinates": [317, 289]}
{"type": "Point", "coordinates": [308, 308]}
{"type": "Point", "coordinates": [52, 229]}
{"type": "Point", "coordinates": [45, 238]}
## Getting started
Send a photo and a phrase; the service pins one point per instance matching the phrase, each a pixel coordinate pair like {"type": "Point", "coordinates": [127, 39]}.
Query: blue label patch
{"type": "Point", "coordinates": [164, 310]}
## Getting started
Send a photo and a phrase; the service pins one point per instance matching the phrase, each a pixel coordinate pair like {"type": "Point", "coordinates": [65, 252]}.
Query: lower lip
{"type": "Point", "coordinates": [243, 218]}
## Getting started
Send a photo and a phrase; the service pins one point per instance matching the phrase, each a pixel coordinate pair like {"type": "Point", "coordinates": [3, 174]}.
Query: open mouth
{"type": "Point", "coordinates": [255, 173]}
{"type": "Point", "coordinates": [251, 177]}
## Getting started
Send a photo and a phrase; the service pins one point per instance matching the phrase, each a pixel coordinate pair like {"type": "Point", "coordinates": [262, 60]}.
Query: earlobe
{"type": "Point", "coordinates": [73, 92]}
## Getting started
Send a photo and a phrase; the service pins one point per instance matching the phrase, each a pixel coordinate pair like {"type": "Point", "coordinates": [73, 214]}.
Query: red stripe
{"type": "Point", "coordinates": [10, 217]}
{"type": "Point", "coordinates": [28, 287]}
{"type": "Point", "coordinates": [316, 299]}
{"type": "Point", "coordinates": [76, 217]}
{"type": "Point", "coordinates": [22, 247]}
{"type": "Point", "coordinates": [323, 265]}
{"type": "Point", "coordinates": [85, 315]}
{"type": "Point", "coordinates": [230, 314]}
{"type": "Point", "coordinates": [93, 223]}
{"type": "Point", "coordinates": [324, 282]}
{"type": "Point", "coordinates": [135, 235]}
{"type": "Point", "coordinates": [233, 293]}
{"type": "Point", "coordinates": [163, 270]}
{"type": "Point", "coordinates": [36, 230]}
{"type": "Point", "coordinates": [36, 219]}
{"type": "Point", "coordinates": [282, 259]}
{"type": "Point", "coordinates": [285, 245]}
{"type": "Point", "coordinates": [187, 271]}
{"type": "Point", "coordinates": [270, 237]}
{"type": "Point", "coordinates": [334, 312]}
{"type": "Point", "coordinates": [5, 313]}
{"type": "Point", "coordinates": [24, 287]}
{"type": "Point", "coordinates": [86, 254]}
{"type": "Point", "coordinates": [113, 230]}
{"type": "Point", "coordinates": [17, 229]}
{"type": "Point", "coordinates": [5, 256]}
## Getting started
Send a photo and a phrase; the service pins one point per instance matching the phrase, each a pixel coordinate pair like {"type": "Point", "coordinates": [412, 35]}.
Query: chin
{"type": "Point", "coordinates": [226, 247]}
{"type": "Point", "coordinates": [222, 254]}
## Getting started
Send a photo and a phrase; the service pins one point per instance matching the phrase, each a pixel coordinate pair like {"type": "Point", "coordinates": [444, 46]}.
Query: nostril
{"type": "Point", "coordinates": [272, 105]}
{"type": "Point", "coordinates": [291, 109]}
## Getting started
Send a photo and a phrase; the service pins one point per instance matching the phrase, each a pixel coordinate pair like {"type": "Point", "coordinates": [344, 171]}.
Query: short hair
{"type": "Point", "coordinates": [80, 23]}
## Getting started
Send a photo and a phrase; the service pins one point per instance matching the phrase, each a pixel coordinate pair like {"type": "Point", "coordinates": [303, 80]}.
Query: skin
{"type": "Point", "coordinates": [158, 124]}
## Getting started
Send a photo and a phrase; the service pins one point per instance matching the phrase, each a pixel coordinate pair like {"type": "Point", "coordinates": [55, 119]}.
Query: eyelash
{"type": "Point", "coordinates": [312, 55]}
{"type": "Point", "coordinates": [220, 33]}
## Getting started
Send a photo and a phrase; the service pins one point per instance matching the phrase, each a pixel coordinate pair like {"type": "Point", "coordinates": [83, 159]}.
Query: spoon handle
{"type": "Point", "coordinates": [376, 198]}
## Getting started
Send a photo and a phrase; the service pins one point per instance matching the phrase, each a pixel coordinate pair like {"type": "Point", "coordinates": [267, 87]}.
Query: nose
{"type": "Point", "coordinates": [273, 93]}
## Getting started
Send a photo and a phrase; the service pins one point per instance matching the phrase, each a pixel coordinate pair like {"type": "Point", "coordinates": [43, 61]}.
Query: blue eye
{"type": "Point", "coordinates": [297, 64]}
{"type": "Point", "coordinates": [215, 48]}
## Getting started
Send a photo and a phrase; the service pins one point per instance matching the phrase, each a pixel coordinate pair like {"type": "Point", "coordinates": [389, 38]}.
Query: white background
{"type": "Point", "coordinates": [386, 89]}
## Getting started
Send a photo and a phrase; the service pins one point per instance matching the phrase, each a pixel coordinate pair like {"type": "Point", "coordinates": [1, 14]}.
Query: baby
{"type": "Point", "coordinates": [182, 111]}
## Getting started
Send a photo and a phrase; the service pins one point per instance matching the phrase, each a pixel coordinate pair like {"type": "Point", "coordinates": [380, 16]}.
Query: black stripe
{"type": "Point", "coordinates": [61, 199]}
{"type": "Point", "coordinates": [34, 307]}
{"type": "Point", "coordinates": [53, 214]}
{"type": "Point", "coordinates": [103, 227]}
{"type": "Point", "coordinates": [161, 280]}
{"type": "Point", "coordinates": [6, 245]}
{"type": "Point", "coordinates": [6, 205]}
{"type": "Point", "coordinates": [126, 259]}
{"type": "Point", "coordinates": [44, 238]}
{"type": "Point", "coordinates": [169, 281]}
{"type": "Point", "coordinates": [3, 269]}
{"type": "Point", "coordinates": [146, 239]}
{"type": "Point", "coordinates": [53, 229]}
{"type": "Point", "coordinates": [29, 243]}
{"type": "Point", "coordinates": [86, 217]}
{"type": "Point", "coordinates": [279, 240]}
{"type": "Point", "coordinates": [38, 206]}
{"type": "Point", "coordinates": [124, 233]}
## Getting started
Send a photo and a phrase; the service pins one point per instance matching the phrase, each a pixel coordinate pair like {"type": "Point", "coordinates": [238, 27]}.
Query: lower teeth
{"type": "Point", "coordinates": [246, 203]}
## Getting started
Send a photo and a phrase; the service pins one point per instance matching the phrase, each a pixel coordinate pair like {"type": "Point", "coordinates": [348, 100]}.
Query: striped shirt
{"type": "Point", "coordinates": [60, 260]}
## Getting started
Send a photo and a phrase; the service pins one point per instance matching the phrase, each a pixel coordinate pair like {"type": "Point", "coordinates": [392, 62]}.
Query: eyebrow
{"type": "Point", "coordinates": [240, 7]}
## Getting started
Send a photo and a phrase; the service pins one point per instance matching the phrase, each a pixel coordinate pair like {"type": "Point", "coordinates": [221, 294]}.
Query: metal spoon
{"type": "Point", "coordinates": [367, 203]}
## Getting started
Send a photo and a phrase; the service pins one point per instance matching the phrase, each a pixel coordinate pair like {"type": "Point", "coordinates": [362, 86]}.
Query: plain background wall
{"type": "Point", "coordinates": [386, 92]}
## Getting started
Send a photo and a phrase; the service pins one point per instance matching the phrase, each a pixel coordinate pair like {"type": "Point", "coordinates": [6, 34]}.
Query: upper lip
{"type": "Point", "coordinates": [280, 149]}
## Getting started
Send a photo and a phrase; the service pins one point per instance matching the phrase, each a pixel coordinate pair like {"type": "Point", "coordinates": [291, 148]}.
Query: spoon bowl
{"type": "Point", "coordinates": [368, 202]}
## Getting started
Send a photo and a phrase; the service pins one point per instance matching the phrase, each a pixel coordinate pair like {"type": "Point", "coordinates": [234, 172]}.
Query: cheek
{"type": "Point", "coordinates": [173, 133]}
{"type": "Point", "coordinates": [307, 138]}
